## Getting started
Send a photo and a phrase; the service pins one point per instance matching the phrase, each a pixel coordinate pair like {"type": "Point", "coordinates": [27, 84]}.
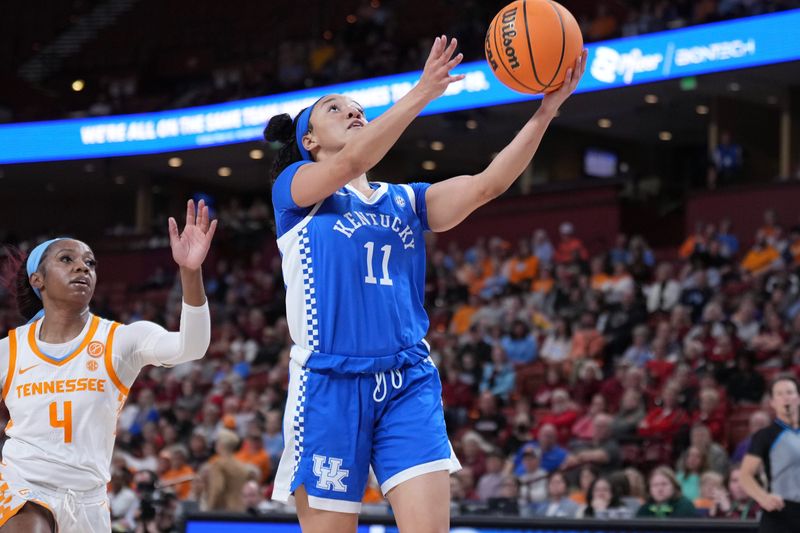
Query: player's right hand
{"type": "Point", "coordinates": [436, 74]}
{"type": "Point", "coordinates": [772, 502]}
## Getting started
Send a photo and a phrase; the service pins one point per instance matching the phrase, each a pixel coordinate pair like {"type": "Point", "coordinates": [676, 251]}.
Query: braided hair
{"type": "Point", "coordinates": [14, 277]}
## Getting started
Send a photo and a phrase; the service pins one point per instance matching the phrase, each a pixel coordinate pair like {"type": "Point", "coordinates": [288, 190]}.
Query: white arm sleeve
{"type": "Point", "coordinates": [146, 343]}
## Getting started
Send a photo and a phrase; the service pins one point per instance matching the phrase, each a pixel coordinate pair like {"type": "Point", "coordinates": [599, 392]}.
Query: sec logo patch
{"type": "Point", "coordinates": [92, 365]}
{"type": "Point", "coordinates": [95, 349]}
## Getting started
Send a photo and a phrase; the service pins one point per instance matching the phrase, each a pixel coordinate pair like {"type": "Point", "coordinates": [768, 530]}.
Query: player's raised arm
{"type": "Point", "coordinates": [189, 250]}
{"type": "Point", "coordinates": [451, 201]}
{"type": "Point", "coordinates": [333, 117]}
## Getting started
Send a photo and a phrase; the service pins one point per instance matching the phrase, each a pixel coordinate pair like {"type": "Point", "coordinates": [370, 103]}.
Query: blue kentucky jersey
{"type": "Point", "coordinates": [354, 269]}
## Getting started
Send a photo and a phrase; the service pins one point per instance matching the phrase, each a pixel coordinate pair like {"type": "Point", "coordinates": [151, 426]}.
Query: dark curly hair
{"type": "Point", "coordinates": [281, 128]}
{"type": "Point", "coordinates": [14, 277]}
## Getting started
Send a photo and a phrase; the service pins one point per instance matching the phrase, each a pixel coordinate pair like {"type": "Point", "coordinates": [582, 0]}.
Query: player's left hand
{"type": "Point", "coordinates": [552, 101]}
{"type": "Point", "coordinates": [189, 248]}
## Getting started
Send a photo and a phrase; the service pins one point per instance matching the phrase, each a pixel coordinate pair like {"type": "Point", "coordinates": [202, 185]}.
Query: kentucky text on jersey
{"type": "Point", "coordinates": [61, 386]}
{"type": "Point", "coordinates": [358, 219]}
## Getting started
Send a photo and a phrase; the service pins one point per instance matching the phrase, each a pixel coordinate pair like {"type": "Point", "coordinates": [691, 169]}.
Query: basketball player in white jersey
{"type": "Point", "coordinates": [65, 376]}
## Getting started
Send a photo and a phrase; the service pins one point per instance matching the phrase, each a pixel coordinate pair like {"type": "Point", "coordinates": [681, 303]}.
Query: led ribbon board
{"type": "Point", "coordinates": [648, 58]}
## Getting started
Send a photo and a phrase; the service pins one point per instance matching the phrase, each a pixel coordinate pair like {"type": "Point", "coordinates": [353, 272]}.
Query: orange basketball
{"type": "Point", "coordinates": [531, 44]}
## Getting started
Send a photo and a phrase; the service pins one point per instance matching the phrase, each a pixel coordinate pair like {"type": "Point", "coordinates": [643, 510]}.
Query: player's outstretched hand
{"type": "Point", "coordinates": [189, 248]}
{"type": "Point", "coordinates": [436, 74]}
{"type": "Point", "coordinates": [553, 100]}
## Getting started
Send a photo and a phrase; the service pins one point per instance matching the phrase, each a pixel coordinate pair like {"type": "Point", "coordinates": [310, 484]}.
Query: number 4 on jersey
{"type": "Point", "coordinates": [370, 277]}
{"type": "Point", "coordinates": [65, 422]}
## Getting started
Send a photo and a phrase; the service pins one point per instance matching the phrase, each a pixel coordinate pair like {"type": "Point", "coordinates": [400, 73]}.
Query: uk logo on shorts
{"type": "Point", "coordinates": [330, 477]}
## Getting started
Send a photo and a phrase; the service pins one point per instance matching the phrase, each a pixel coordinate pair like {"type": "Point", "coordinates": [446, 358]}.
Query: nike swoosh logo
{"type": "Point", "coordinates": [23, 370]}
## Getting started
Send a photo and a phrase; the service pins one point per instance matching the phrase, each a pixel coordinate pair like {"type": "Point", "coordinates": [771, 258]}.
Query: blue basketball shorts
{"type": "Point", "coordinates": [338, 425]}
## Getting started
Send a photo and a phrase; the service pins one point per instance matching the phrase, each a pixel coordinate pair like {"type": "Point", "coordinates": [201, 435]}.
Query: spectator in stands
{"type": "Point", "coordinates": [603, 452]}
{"type": "Point", "coordinates": [639, 353]}
{"type": "Point", "coordinates": [273, 435]}
{"type": "Point", "coordinates": [252, 452]}
{"type": "Point", "coordinates": [521, 268]}
{"type": "Point", "coordinates": [227, 475]}
{"type": "Point", "coordinates": [711, 485]}
{"type": "Point", "coordinates": [631, 412]}
{"type": "Point", "coordinates": [728, 240]}
{"type": "Point", "coordinates": [693, 463]}
{"type": "Point", "coordinates": [563, 414]}
{"type": "Point", "coordinates": [758, 420]}
{"type": "Point", "coordinates": [558, 343]}
{"type": "Point", "coordinates": [520, 344]}
{"type": "Point", "coordinates": [557, 504]}
{"type": "Point", "coordinates": [123, 502]}
{"type": "Point", "coordinates": [587, 341]}
{"type": "Point", "coordinates": [762, 257]}
{"type": "Point", "coordinates": [587, 474]}
{"type": "Point", "coordinates": [253, 499]}
{"type": "Point", "coordinates": [179, 474]}
{"type": "Point", "coordinates": [583, 430]}
{"type": "Point", "coordinates": [696, 294]}
{"type": "Point", "coordinates": [700, 437]}
{"type": "Point", "coordinates": [587, 384]}
{"type": "Point", "coordinates": [726, 162]}
{"type": "Point", "coordinates": [473, 454]}
{"type": "Point", "coordinates": [664, 293]}
{"type": "Point", "coordinates": [734, 503]}
{"type": "Point", "coordinates": [490, 422]}
{"type": "Point", "coordinates": [620, 319]}
{"type": "Point", "coordinates": [491, 481]}
{"type": "Point", "coordinates": [542, 247]}
{"type": "Point", "coordinates": [664, 422]}
{"type": "Point", "coordinates": [570, 248]}
{"type": "Point", "coordinates": [619, 284]}
{"type": "Point", "coordinates": [745, 320]}
{"type": "Point", "coordinates": [666, 500]}
{"type": "Point", "coordinates": [552, 455]}
{"type": "Point", "coordinates": [533, 479]}
{"type": "Point", "coordinates": [198, 450]}
{"type": "Point", "coordinates": [604, 500]}
{"type": "Point", "coordinates": [710, 413]}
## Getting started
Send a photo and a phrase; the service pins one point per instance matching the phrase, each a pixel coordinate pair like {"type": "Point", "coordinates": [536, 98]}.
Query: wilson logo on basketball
{"type": "Point", "coordinates": [92, 365]}
{"type": "Point", "coordinates": [95, 349]}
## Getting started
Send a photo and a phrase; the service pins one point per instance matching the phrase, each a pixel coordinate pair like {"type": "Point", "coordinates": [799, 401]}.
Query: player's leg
{"type": "Point", "coordinates": [325, 463]}
{"type": "Point", "coordinates": [31, 518]}
{"type": "Point", "coordinates": [412, 456]}
{"type": "Point", "coordinates": [320, 521]}
{"type": "Point", "coordinates": [422, 504]}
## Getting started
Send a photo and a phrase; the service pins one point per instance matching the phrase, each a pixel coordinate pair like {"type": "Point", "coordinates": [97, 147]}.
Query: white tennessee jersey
{"type": "Point", "coordinates": [63, 412]}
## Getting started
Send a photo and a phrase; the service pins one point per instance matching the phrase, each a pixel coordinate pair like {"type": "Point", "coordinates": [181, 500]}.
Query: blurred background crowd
{"type": "Point", "coordinates": [611, 384]}
{"type": "Point", "coordinates": [211, 52]}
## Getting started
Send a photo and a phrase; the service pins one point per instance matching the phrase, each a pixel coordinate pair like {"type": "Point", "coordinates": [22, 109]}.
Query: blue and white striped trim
{"type": "Point", "coordinates": [298, 423]}
{"type": "Point", "coordinates": [309, 291]}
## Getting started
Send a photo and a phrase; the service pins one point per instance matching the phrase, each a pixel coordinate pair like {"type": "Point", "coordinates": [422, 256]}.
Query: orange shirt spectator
{"type": "Point", "coordinates": [462, 318]}
{"type": "Point", "coordinates": [587, 341]}
{"type": "Point", "coordinates": [569, 246]}
{"type": "Point", "coordinates": [253, 452]}
{"type": "Point", "coordinates": [760, 257]}
{"type": "Point", "coordinates": [519, 269]}
{"type": "Point", "coordinates": [178, 470]}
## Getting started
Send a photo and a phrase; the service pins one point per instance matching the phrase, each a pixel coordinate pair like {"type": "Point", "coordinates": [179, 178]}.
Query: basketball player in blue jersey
{"type": "Point", "coordinates": [363, 390]}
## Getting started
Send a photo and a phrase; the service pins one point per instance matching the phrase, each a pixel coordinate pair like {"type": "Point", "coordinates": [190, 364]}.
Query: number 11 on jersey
{"type": "Point", "coordinates": [370, 277]}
